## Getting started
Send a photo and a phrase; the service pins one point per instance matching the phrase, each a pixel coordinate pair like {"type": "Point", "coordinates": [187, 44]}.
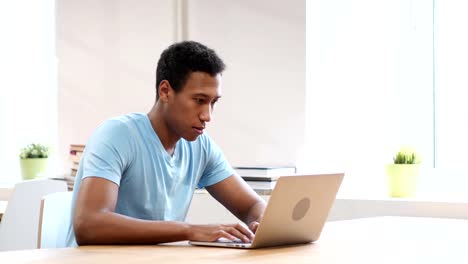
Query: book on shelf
{"type": "Point", "coordinates": [75, 154]}
{"type": "Point", "coordinates": [77, 147]}
{"type": "Point", "coordinates": [70, 181]}
{"type": "Point", "coordinates": [76, 151]}
{"type": "Point", "coordinates": [264, 173]}
{"type": "Point", "coordinates": [75, 166]}
{"type": "Point", "coordinates": [262, 185]}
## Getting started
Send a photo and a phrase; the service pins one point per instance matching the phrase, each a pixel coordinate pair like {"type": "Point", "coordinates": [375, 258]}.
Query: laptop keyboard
{"type": "Point", "coordinates": [235, 243]}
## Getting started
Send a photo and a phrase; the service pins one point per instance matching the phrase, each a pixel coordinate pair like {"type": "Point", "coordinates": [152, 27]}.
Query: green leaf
{"type": "Point", "coordinates": [33, 151]}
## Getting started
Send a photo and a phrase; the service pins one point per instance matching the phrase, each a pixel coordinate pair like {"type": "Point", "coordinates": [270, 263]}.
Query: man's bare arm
{"type": "Point", "coordinates": [95, 221]}
{"type": "Point", "coordinates": [239, 198]}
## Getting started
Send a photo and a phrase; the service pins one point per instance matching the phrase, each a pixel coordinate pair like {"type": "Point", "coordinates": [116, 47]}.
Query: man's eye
{"type": "Point", "coordinates": [199, 100]}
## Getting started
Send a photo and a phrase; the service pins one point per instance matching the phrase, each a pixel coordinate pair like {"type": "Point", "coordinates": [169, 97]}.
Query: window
{"type": "Point", "coordinates": [371, 88]}
{"type": "Point", "coordinates": [28, 96]}
{"type": "Point", "coordinates": [451, 82]}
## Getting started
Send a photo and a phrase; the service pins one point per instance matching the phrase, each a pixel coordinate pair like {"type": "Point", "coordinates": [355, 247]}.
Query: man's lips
{"type": "Point", "coordinates": [199, 130]}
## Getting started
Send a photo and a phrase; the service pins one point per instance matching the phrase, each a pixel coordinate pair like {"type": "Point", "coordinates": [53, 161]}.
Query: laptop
{"type": "Point", "coordinates": [296, 212]}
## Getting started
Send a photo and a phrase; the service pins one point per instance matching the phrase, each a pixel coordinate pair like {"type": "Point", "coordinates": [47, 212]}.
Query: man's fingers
{"type": "Point", "coordinates": [253, 226]}
{"type": "Point", "coordinates": [227, 235]}
{"type": "Point", "coordinates": [245, 231]}
{"type": "Point", "coordinates": [232, 234]}
{"type": "Point", "coordinates": [239, 235]}
{"type": "Point", "coordinates": [239, 231]}
{"type": "Point", "coordinates": [215, 232]}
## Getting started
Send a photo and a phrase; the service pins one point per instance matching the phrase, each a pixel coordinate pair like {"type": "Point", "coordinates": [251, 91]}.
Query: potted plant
{"type": "Point", "coordinates": [34, 161]}
{"type": "Point", "coordinates": [403, 174]}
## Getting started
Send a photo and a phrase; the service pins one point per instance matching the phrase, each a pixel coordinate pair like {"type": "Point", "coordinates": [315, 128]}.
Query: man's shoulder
{"type": "Point", "coordinates": [123, 121]}
{"type": "Point", "coordinates": [118, 128]}
{"type": "Point", "coordinates": [128, 119]}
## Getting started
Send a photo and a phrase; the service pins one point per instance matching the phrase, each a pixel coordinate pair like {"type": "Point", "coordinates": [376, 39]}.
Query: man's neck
{"type": "Point", "coordinates": [167, 138]}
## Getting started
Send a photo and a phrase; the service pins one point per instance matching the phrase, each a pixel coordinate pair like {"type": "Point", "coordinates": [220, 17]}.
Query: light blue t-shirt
{"type": "Point", "coordinates": [152, 184]}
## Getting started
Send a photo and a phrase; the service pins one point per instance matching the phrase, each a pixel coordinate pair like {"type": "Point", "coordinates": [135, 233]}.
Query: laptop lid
{"type": "Point", "coordinates": [296, 212]}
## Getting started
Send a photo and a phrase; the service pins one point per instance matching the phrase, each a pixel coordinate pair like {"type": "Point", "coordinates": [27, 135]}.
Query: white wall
{"type": "Point", "coordinates": [108, 52]}
{"type": "Point", "coordinates": [261, 119]}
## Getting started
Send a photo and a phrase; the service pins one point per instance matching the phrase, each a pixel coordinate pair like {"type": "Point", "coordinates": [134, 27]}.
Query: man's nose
{"type": "Point", "coordinates": [205, 116]}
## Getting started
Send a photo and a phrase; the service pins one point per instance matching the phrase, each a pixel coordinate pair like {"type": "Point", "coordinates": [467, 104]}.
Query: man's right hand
{"type": "Point", "coordinates": [210, 233]}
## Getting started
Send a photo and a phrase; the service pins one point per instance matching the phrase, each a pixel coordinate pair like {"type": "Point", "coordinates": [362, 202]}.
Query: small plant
{"type": "Point", "coordinates": [406, 156]}
{"type": "Point", "coordinates": [34, 151]}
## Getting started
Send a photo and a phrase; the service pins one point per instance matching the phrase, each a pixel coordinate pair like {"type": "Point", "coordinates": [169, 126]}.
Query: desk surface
{"type": "Point", "coordinates": [372, 240]}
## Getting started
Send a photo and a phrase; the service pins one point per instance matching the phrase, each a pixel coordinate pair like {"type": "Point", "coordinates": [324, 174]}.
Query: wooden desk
{"type": "Point", "coordinates": [372, 240]}
{"type": "Point", "coordinates": [3, 205]}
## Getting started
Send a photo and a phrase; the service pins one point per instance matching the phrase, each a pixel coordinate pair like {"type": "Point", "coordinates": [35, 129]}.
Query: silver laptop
{"type": "Point", "coordinates": [296, 212]}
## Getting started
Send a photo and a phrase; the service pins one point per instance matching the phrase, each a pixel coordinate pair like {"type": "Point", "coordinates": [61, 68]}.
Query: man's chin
{"type": "Point", "coordinates": [191, 137]}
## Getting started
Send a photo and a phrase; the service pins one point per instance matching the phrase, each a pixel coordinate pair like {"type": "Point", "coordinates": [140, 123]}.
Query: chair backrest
{"type": "Point", "coordinates": [19, 225]}
{"type": "Point", "coordinates": [54, 218]}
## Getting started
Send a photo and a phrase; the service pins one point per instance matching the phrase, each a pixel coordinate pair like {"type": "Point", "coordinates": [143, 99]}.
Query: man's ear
{"type": "Point", "coordinates": [164, 90]}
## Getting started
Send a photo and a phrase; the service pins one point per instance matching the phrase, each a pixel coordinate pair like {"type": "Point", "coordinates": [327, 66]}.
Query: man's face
{"type": "Point", "coordinates": [191, 108]}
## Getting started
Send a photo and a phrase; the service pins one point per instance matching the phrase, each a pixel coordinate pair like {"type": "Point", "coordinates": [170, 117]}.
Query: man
{"type": "Point", "coordinates": [139, 171]}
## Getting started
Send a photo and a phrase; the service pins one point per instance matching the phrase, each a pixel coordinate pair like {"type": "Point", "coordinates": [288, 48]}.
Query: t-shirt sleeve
{"type": "Point", "coordinates": [106, 152]}
{"type": "Point", "coordinates": [217, 167]}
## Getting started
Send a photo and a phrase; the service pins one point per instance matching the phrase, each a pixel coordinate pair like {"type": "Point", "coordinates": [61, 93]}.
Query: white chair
{"type": "Point", "coordinates": [54, 219]}
{"type": "Point", "coordinates": [19, 225]}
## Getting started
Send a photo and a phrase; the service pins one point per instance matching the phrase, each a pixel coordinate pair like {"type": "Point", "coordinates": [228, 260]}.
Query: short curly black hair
{"type": "Point", "coordinates": [182, 58]}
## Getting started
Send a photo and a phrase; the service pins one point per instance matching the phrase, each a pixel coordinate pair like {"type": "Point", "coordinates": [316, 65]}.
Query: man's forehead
{"type": "Point", "coordinates": [201, 94]}
{"type": "Point", "coordinates": [210, 96]}
{"type": "Point", "coordinates": [203, 84]}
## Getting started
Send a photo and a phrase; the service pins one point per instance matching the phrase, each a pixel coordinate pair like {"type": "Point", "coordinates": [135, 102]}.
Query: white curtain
{"type": "Point", "coordinates": [28, 81]}
{"type": "Point", "coordinates": [451, 82]}
{"type": "Point", "coordinates": [369, 87]}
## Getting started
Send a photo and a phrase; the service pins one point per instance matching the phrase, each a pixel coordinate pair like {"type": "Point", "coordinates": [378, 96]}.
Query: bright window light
{"type": "Point", "coordinates": [381, 74]}
{"type": "Point", "coordinates": [28, 80]}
